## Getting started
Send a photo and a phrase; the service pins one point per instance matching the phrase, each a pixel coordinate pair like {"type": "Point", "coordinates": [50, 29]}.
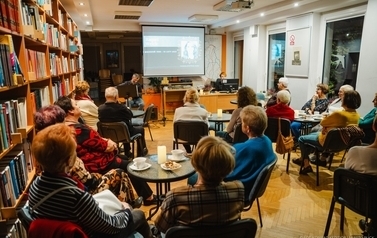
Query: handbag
{"type": "Point", "coordinates": [108, 202]}
{"type": "Point", "coordinates": [283, 144]}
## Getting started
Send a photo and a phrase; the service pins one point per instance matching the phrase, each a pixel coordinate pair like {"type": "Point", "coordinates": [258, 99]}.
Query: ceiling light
{"type": "Point", "coordinates": [262, 14]}
{"type": "Point", "coordinates": [296, 4]}
{"type": "Point", "coordinates": [88, 22]}
{"type": "Point", "coordinates": [238, 21]}
{"type": "Point", "coordinates": [85, 15]}
{"type": "Point", "coordinates": [81, 4]}
{"type": "Point", "coordinates": [202, 18]}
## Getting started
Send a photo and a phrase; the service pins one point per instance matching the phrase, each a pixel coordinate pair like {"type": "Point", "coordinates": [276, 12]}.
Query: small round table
{"type": "Point", "coordinates": [307, 124]}
{"type": "Point", "coordinates": [155, 174]}
{"type": "Point", "coordinates": [219, 121]}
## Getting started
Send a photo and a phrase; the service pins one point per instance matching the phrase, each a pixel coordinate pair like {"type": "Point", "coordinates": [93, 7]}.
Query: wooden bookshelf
{"type": "Point", "coordinates": [47, 52]}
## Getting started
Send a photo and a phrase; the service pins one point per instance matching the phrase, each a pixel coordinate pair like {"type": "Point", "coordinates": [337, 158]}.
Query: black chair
{"type": "Point", "coordinates": [356, 191]}
{"type": "Point", "coordinates": [272, 132]}
{"type": "Point", "coordinates": [239, 136]}
{"type": "Point", "coordinates": [188, 132]}
{"type": "Point", "coordinates": [259, 188]}
{"type": "Point", "coordinates": [144, 122]}
{"type": "Point", "coordinates": [245, 228]}
{"type": "Point", "coordinates": [337, 140]}
{"type": "Point", "coordinates": [118, 132]}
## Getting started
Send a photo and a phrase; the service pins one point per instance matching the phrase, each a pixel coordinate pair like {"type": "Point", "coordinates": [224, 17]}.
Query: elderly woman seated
{"type": "Point", "coordinates": [349, 116]}
{"type": "Point", "coordinates": [281, 109]}
{"type": "Point", "coordinates": [210, 202]}
{"type": "Point", "coordinates": [54, 148]}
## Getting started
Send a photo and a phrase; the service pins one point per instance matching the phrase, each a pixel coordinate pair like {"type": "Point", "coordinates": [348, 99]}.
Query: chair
{"type": "Point", "coordinates": [239, 136]}
{"type": "Point", "coordinates": [244, 228]}
{"type": "Point", "coordinates": [188, 132]}
{"type": "Point", "coordinates": [356, 191]}
{"type": "Point", "coordinates": [272, 132]}
{"type": "Point", "coordinates": [259, 188]}
{"type": "Point", "coordinates": [118, 132]}
{"type": "Point", "coordinates": [144, 122]}
{"type": "Point", "coordinates": [337, 140]}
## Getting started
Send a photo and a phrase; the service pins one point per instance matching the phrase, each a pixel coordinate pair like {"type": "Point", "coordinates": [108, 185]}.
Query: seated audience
{"type": "Point", "coordinates": [318, 103]}
{"type": "Point", "coordinates": [363, 159]}
{"type": "Point", "coordinates": [191, 111]}
{"type": "Point", "coordinates": [336, 104]}
{"type": "Point", "coordinates": [210, 202]}
{"type": "Point", "coordinates": [245, 96]}
{"type": "Point", "coordinates": [349, 116]}
{"type": "Point", "coordinates": [282, 85]}
{"type": "Point", "coordinates": [89, 110]}
{"type": "Point", "coordinates": [116, 180]}
{"type": "Point", "coordinates": [54, 148]}
{"type": "Point", "coordinates": [255, 153]}
{"type": "Point", "coordinates": [112, 111]}
{"type": "Point", "coordinates": [135, 101]}
{"type": "Point", "coordinates": [365, 123]}
{"type": "Point", "coordinates": [99, 154]}
{"type": "Point", "coordinates": [281, 109]}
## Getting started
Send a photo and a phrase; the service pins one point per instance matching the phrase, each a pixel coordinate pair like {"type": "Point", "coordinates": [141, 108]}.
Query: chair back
{"type": "Point", "coordinates": [189, 132]}
{"type": "Point", "coordinates": [148, 114]}
{"type": "Point", "coordinates": [273, 127]}
{"type": "Point", "coordinates": [342, 138]}
{"type": "Point", "coordinates": [356, 191]}
{"type": "Point", "coordinates": [239, 136]}
{"type": "Point", "coordinates": [244, 228]}
{"type": "Point", "coordinates": [24, 215]}
{"type": "Point", "coordinates": [116, 131]}
{"type": "Point", "coordinates": [260, 184]}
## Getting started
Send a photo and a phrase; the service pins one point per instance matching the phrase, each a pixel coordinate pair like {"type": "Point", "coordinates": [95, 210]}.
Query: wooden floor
{"type": "Point", "coordinates": [292, 206]}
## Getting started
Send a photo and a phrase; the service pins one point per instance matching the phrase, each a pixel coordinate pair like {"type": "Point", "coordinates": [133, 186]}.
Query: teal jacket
{"type": "Point", "coordinates": [367, 120]}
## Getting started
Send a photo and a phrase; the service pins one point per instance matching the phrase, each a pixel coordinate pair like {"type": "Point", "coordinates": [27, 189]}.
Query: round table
{"type": "Point", "coordinates": [233, 101]}
{"type": "Point", "coordinates": [137, 113]}
{"type": "Point", "coordinates": [307, 124]}
{"type": "Point", "coordinates": [155, 174]}
{"type": "Point", "coordinates": [219, 121]}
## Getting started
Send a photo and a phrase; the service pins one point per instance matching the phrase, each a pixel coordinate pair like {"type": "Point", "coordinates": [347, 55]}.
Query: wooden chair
{"type": "Point", "coordinates": [189, 132]}
{"type": "Point", "coordinates": [245, 228]}
{"type": "Point", "coordinates": [337, 140]}
{"type": "Point", "coordinates": [144, 122]}
{"type": "Point", "coordinates": [272, 132]}
{"type": "Point", "coordinates": [118, 132]}
{"type": "Point", "coordinates": [259, 188]}
{"type": "Point", "coordinates": [357, 192]}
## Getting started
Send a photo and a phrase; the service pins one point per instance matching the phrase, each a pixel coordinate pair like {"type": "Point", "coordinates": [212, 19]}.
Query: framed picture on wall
{"type": "Point", "coordinates": [298, 53]}
{"type": "Point", "coordinates": [112, 58]}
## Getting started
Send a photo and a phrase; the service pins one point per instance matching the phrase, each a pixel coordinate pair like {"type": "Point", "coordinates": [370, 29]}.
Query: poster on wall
{"type": "Point", "coordinates": [298, 53]}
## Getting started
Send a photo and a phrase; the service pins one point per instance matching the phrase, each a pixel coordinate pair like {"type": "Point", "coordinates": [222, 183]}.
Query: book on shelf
{"type": "Point", "coordinates": [22, 112]}
{"type": "Point", "coordinates": [9, 161]}
{"type": "Point", "coordinates": [7, 65]}
{"type": "Point", "coordinates": [4, 13]}
{"type": "Point", "coordinates": [7, 192]}
{"type": "Point", "coordinates": [17, 155]}
{"type": "Point", "coordinates": [14, 63]}
{"type": "Point", "coordinates": [5, 128]}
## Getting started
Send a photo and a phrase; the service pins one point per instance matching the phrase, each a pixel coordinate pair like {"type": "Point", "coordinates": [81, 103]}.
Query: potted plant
{"type": "Point", "coordinates": [155, 82]}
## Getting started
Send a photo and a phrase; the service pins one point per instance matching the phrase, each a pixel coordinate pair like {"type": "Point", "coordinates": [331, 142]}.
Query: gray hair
{"type": "Point", "coordinates": [284, 96]}
{"type": "Point", "coordinates": [346, 88]}
{"type": "Point", "coordinates": [111, 92]}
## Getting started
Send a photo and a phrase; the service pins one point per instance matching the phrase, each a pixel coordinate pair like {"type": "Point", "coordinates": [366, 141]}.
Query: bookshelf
{"type": "Point", "coordinates": [40, 55]}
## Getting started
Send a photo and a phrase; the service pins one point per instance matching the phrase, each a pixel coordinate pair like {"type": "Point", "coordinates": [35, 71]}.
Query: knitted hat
{"type": "Point", "coordinates": [284, 81]}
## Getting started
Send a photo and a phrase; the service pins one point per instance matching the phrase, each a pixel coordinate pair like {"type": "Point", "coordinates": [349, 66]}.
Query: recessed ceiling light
{"type": "Point", "coordinates": [296, 4]}
{"type": "Point", "coordinates": [88, 22]}
{"type": "Point", "coordinates": [238, 21]}
{"type": "Point", "coordinates": [85, 15]}
{"type": "Point", "coordinates": [262, 14]}
{"type": "Point", "coordinates": [81, 4]}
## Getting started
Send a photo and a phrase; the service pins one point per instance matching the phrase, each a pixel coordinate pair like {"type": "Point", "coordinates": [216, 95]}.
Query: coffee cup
{"type": "Point", "coordinates": [139, 162]}
{"type": "Point", "coordinates": [177, 154]}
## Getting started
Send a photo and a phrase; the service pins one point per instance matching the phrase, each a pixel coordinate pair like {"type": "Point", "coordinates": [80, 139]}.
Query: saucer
{"type": "Point", "coordinates": [174, 167]}
{"type": "Point", "coordinates": [170, 157]}
{"type": "Point", "coordinates": [147, 166]}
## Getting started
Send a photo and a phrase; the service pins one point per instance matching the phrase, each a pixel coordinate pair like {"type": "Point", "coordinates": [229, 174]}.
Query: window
{"type": "Point", "coordinates": [276, 54]}
{"type": "Point", "coordinates": [342, 49]}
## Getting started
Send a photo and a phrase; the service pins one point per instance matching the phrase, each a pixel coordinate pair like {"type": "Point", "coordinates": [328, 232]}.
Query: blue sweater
{"type": "Point", "coordinates": [251, 157]}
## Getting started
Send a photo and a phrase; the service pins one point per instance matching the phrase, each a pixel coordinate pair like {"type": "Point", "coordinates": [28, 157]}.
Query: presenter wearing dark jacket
{"type": "Point", "coordinates": [55, 150]}
{"type": "Point", "coordinates": [137, 101]}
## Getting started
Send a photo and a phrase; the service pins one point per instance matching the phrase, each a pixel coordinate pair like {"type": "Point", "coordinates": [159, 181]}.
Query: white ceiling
{"type": "Point", "coordinates": [100, 13]}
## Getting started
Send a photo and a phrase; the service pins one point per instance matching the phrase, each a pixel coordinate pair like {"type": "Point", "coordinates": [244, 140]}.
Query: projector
{"type": "Point", "coordinates": [241, 5]}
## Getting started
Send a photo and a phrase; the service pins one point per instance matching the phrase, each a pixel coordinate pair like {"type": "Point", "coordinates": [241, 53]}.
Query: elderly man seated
{"type": "Point", "coordinates": [281, 109]}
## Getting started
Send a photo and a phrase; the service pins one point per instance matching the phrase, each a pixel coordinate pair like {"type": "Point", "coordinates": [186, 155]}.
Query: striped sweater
{"type": "Point", "coordinates": [74, 205]}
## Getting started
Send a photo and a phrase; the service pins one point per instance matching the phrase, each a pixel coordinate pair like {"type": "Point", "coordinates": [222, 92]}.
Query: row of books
{"type": "Point", "coordinates": [12, 116]}
{"type": "Point", "coordinates": [59, 89]}
{"type": "Point", "coordinates": [30, 16]}
{"type": "Point", "coordinates": [14, 174]}
{"type": "Point", "coordinates": [59, 65]}
{"type": "Point", "coordinates": [9, 11]}
{"type": "Point", "coordinates": [9, 64]}
{"type": "Point", "coordinates": [37, 63]}
{"type": "Point", "coordinates": [40, 97]}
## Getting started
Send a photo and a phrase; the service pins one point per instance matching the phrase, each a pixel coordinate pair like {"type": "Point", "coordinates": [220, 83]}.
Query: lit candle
{"type": "Point", "coordinates": [201, 91]}
{"type": "Point", "coordinates": [161, 154]}
{"type": "Point", "coordinates": [219, 112]}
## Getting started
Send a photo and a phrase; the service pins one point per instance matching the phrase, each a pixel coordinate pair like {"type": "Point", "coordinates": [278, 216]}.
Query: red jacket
{"type": "Point", "coordinates": [281, 110]}
{"type": "Point", "coordinates": [45, 228]}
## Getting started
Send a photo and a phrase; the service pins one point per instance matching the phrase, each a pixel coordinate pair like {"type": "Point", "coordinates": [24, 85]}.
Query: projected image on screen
{"type": "Point", "coordinates": [169, 50]}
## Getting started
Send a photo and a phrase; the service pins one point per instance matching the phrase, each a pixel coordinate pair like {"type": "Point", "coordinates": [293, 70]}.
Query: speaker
{"type": "Point", "coordinates": [154, 115]}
